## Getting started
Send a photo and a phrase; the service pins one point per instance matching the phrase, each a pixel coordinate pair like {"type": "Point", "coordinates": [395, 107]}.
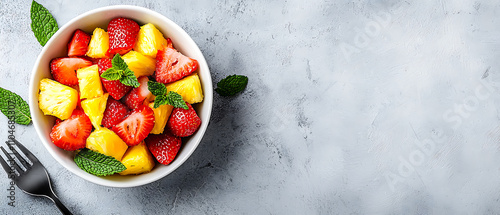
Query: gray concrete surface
{"type": "Point", "coordinates": [353, 107]}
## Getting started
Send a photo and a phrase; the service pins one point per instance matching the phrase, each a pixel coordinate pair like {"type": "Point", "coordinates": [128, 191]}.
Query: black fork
{"type": "Point", "coordinates": [34, 179]}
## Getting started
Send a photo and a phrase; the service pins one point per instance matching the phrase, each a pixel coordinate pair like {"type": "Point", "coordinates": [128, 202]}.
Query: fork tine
{"type": "Point", "coordinates": [19, 170]}
{"type": "Point", "coordinates": [26, 151]}
{"type": "Point", "coordinates": [21, 159]}
{"type": "Point", "coordinates": [5, 166]}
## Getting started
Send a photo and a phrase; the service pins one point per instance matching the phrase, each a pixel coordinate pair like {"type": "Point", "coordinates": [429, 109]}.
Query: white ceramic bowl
{"type": "Point", "coordinates": [56, 47]}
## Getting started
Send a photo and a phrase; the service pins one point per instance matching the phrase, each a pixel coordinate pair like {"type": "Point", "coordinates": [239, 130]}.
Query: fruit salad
{"type": "Point", "coordinates": [102, 97]}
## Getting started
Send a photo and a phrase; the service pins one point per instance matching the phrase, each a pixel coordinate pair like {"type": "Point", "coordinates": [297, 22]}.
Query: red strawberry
{"type": "Point", "coordinates": [114, 113]}
{"type": "Point", "coordinates": [183, 123]}
{"type": "Point", "coordinates": [137, 96]}
{"type": "Point", "coordinates": [169, 43]}
{"type": "Point", "coordinates": [164, 147]}
{"type": "Point", "coordinates": [93, 60]}
{"type": "Point", "coordinates": [115, 88]}
{"type": "Point", "coordinates": [64, 69]}
{"type": "Point", "coordinates": [71, 134]}
{"type": "Point", "coordinates": [171, 65]}
{"type": "Point", "coordinates": [122, 35]}
{"type": "Point", "coordinates": [136, 127]}
{"type": "Point", "coordinates": [79, 43]}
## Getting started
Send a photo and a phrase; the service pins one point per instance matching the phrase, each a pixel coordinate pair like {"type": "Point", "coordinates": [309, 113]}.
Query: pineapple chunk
{"type": "Point", "coordinates": [94, 108]}
{"type": "Point", "coordinates": [141, 65]}
{"type": "Point", "coordinates": [89, 82]}
{"type": "Point", "coordinates": [149, 40]}
{"type": "Point", "coordinates": [138, 160]}
{"type": "Point", "coordinates": [106, 142]}
{"type": "Point", "coordinates": [161, 117]}
{"type": "Point", "coordinates": [99, 44]}
{"type": "Point", "coordinates": [189, 88]}
{"type": "Point", "coordinates": [57, 99]}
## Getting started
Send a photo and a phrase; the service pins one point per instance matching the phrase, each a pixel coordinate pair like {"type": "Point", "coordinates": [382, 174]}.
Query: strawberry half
{"type": "Point", "coordinates": [79, 43]}
{"type": "Point", "coordinates": [115, 88]}
{"type": "Point", "coordinates": [122, 35]}
{"type": "Point", "coordinates": [137, 96]}
{"type": "Point", "coordinates": [164, 147]}
{"type": "Point", "coordinates": [170, 44]}
{"type": "Point", "coordinates": [171, 65]}
{"type": "Point", "coordinates": [114, 113]}
{"type": "Point", "coordinates": [64, 69]}
{"type": "Point", "coordinates": [136, 127]}
{"type": "Point", "coordinates": [183, 123]}
{"type": "Point", "coordinates": [71, 134]}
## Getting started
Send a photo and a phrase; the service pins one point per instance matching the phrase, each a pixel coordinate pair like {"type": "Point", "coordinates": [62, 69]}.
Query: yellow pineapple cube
{"type": "Point", "coordinates": [140, 64]}
{"type": "Point", "coordinates": [94, 108]}
{"type": "Point", "coordinates": [99, 44]}
{"type": "Point", "coordinates": [149, 40]}
{"type": "Point", "coordinates": [189, 88]}
{"type": "Point", "coordinates": [89, 82]}
{"type": "Point", "coordinates": [106, 142]}
{"type": "Point", "coordinates": [57, 99]}
{"type": "Point", "coordinates": [161, 117]}
{"type": "Point", "coordinates": [138, 160]}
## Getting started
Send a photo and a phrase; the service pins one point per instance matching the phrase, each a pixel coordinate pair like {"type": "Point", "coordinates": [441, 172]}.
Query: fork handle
{"type": "Point", "coordinates": [59, 204]}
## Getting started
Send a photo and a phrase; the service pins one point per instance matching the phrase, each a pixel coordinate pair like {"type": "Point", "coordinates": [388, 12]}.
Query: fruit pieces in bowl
{"type": "Point", "coordinates": [117, 116]}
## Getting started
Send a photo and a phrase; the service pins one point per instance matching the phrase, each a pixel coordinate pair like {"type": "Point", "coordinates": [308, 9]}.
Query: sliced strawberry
{"type": "Point", "coordinates": [115, 88]}
{"type": "Point", "coordinates": [122, 35]}
{"type": "Point", "coordinates": [93, 60]}
{"type": "Point", "coordinates": [170, 44]}
{"type": "Point", "coordinates": [183, 123]}
{"type": "Point", "coordinates": [114, 113]}
{"type": "Point", "coordinates": [171, 65]}
{"type": "Point", "coordinates": [64, 69]}
{"type": "Point", "coordinates": [164, 147]}
{"type": "Point", "coordinates": [71, 134]}
{"type": "Point", "coordinates": [79, 43]}
{"type": "Point", "coordinates": [137, 96]}
{"type": "Point", "coordinates": [136, 126]}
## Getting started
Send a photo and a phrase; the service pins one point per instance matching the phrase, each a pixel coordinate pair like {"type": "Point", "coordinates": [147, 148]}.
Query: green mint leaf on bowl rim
{"type": "Point", "coordinates": [157, 89]}
{"type": "Point", "coordinates": [120, 71]}
{"type": "Point", "coordinates": [43, 23]}
{"type": "Point", "coordinates": [14, 107]}
{"type": "Point", "coordinates": [171, 98]}
{"type": "Point", "coordinates": [231, 85]}
{"type": "Point", "coordinates": [98, 164]}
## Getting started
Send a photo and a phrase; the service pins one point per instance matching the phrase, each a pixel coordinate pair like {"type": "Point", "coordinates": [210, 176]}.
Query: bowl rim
{"type": "Point", "coordinates": [208, 98]}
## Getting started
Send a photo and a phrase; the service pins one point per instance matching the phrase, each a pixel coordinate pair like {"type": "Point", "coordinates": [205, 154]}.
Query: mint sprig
{"type": "Point", "coordinates": [231, 85]}
{"type": "Point", "coordinates": [163, 98]}
{"type": "Point", "coordinates": [14, 107]}
{"type": "Point", "coordinates": [120, 71]}
{"type": "Point", "coordinates": [98, 164]}
{"type": "Point", "coordinates": [43, 23]}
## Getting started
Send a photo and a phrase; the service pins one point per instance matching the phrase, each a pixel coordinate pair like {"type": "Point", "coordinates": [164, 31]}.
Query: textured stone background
{"type": "Point", "coordinates": [353, 107]}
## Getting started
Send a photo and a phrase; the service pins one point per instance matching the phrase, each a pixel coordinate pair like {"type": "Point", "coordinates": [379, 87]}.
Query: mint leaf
{"type": "Point", "coordinates": [98, 164]}
{"type": "Point", "coordinates": [130, 81]}
{"type": "Point", "coordinates": [119, 63]}
{"type": "Point", "coordinates": [112, 74]}
{"type": "Point", "coordinates": [171, 98]}
{"type": "Point", "coordinates": [14, 107]}
{"type": "Point", "coordinates": [128, 72]}
{"type": "Point", "coordinates": [231, 85]}
{"type": "Point", "coordinates": [156, 88]}
{"type": "Point", "coordinates": [120, 71]}
{"type": "Point", "coordinates": [43, 23]}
